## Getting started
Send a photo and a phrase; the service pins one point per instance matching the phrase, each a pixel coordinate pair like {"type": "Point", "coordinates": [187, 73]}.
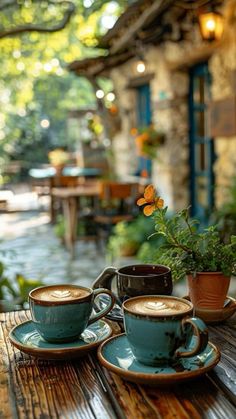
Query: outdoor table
{"type": "Point", "coordinates": [70, 197]}
{"type": "Point", "coordinates": [33, 388]}
{"type": "Point", "coordinates": [46, 173]}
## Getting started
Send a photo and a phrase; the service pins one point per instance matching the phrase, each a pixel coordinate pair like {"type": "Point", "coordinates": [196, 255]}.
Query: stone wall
{"type": "Point", "coordinates": [123, 143]}
{"type": "Point", "coordinates": [169, 114]}
{"type": "Point", "coordinates": [223, 69]}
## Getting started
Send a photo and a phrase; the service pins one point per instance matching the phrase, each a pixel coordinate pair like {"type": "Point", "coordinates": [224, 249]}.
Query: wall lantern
{"type": "Point", "coordinates": [140, 66]}
{"type": "Point", "coordinates": [211, 25]}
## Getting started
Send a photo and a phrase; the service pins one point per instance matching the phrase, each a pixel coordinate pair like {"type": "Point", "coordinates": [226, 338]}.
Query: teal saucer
{"type": "Point", "coordinates": [115, 355]}
{"type": "Point", "coordinates": [27, 339]}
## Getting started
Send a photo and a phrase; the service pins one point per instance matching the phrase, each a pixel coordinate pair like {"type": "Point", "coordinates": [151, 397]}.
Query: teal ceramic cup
{"type": "Point", "coordinates": [160, 328]}
{"type": "Point", "coordinates": [60, 313]}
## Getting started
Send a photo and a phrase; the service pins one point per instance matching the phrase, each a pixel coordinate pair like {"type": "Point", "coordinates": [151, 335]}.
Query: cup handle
{"type": "Point", "coordinates": [105, 278]}
{"type": "Point", "coordinates": [200, 329]}
{"type": "Point", "coordinates": [105, 310]}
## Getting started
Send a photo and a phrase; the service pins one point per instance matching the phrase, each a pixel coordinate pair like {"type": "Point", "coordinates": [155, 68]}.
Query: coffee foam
{"type": "Point", "coordinates": [60, 293]}
{"type": "Point", "coordinates": [157, 306]}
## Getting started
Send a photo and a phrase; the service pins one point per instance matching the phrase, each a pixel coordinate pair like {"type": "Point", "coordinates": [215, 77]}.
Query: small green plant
{"type": "Point", "coordinates": [60, 227]}
{"type": "Point", "coordinates": [83, 226]}
{"type": "Point", "coordinates": [148, 139]}
{"type": "Point", "coordinates": [186, 249]}
{"type": "Point", "coordinates": [121, 243]}
{"type": "Point", "coordinates": [127, 237]}
{"type": "Point", "coordinates": [225, 216]}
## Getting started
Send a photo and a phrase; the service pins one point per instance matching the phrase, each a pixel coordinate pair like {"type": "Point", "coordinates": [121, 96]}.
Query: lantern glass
{"type": "Point", "coordinates": [211, 26]}
{"type": "Point", "coordinates": [140, 66]}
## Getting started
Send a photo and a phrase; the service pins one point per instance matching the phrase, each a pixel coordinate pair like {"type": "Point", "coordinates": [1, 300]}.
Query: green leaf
{"type": "Point", "coordinates": [233, 239]}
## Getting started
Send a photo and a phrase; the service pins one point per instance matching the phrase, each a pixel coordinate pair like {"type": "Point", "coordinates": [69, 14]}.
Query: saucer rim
{"type": "Point", "coordinates": [57, 351]}
{"type": "Point", "coordinates": [144, 378]}
{"type": "Point", "coordinates": [228, 308]}
{"type": "Point", "coordinates": [218, 316]}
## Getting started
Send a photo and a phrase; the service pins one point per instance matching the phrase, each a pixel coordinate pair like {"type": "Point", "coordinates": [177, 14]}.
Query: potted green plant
{"type": "Point", "coordinates": [202, 256]}
{"type": "Point", "coordinates": [124, 241]}
{"type": "Point", "coordinates": [147, 140]}
{"type": "Point", "coordinates": [127, 237]}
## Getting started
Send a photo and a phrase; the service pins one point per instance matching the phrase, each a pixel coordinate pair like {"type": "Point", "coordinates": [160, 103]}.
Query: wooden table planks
{"type": "Point", "coordinates": [31, 388]}
{"type": "Point", "coordinates": [225, 372]}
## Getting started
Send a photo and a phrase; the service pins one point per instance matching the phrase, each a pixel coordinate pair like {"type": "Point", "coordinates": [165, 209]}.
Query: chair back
{"type": "Point", "coordinates": [64, 181]}
{"type": "Point", "coordinates": [124, 194]}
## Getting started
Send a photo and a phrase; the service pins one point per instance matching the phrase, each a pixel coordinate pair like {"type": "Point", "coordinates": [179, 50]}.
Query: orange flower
{"type": "Point", "coordinates": [145, 136]}
{"type": "Point", "coordinates": [150, 200]}
{"type": "Point", "coordinates": [133, 131]}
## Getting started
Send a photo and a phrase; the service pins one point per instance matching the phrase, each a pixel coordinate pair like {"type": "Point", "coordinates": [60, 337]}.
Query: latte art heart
{"type": "Point", "coordinates": [155, 305]}
{"type": "Point", "coordinates": [61, 294]}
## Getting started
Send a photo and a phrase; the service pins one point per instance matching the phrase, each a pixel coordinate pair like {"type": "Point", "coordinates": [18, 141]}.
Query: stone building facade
{"type": "Point", "coordinates": [170, 64]}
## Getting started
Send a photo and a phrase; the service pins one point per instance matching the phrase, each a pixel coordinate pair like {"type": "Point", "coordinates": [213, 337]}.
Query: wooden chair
{"type": "Point", "coordinates": [117, 202]}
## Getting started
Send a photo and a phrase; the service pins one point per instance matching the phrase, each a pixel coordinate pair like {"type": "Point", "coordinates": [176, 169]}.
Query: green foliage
{"type": "Point", "coordinates": [186, 249]}
{"type": "Point", "coordinates": [85, 226]}
{"type": "Point", "coordinates": [129, 236]}
{"type": "Point", "coordinates": [225, 217]}
{"type": "Point", "coordinates": [123, 238]}
{"type": "Point", "coordinates": [16, 288]}
{"type": "Point", "coordinates": [35, 83]}
{"type": "Point", "coordinates": [148, 139]}
{"type": "Point", "coordinates": [60, 227]}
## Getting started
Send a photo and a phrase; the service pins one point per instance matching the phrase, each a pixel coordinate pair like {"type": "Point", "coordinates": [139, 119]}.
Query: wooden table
{"type": "Point", "coordinates": [31, 388]}
{"type": "Point", "coordinates": [70, 198]}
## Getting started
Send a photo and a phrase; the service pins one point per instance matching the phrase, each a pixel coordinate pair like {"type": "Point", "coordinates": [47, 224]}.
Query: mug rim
{"type": "Point", "coordinates": [152, 265]}
{"type": "Point", "coordinates": [156, 315]}
{"type": "Point", "coordinates": [60, 302]}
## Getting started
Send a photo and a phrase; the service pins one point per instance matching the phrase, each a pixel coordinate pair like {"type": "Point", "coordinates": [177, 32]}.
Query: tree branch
{"type": "Point", "coordinates": [40, 28]}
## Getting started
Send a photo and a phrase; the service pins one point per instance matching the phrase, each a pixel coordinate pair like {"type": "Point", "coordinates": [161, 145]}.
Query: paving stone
{"type": "Point", "coordinates": [30, 247]}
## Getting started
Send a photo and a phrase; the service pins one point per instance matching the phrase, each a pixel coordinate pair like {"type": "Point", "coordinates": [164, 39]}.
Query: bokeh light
{"type": "Point", "coordinates": [45, 123]}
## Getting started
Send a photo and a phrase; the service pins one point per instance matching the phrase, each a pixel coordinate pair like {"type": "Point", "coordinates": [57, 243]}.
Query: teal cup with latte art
{"type": "Point", "coordinates": [60, 313]}
{"type": "Point", "coordinates": [161, 329]}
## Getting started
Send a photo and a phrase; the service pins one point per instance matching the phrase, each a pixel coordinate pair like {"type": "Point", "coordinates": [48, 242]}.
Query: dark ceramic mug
{"type": "Point", "coordinates": [135, 280]}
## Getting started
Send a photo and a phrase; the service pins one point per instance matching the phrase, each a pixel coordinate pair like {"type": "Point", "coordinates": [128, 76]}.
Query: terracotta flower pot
{"type": "Point", "coordinates": [129, 249]}
{"type": "Point", "coordinates": [208, 289]}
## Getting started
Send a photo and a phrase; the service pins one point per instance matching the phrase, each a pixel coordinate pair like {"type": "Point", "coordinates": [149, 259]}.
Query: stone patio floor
{"type": "Point", "coordinates": [29, 246]}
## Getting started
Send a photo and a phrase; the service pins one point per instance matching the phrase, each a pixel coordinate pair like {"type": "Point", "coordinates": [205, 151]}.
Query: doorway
{"type": "Point", "coordinates": [144, 117]}
{"type": "Point", "coordinates": [201, 145]}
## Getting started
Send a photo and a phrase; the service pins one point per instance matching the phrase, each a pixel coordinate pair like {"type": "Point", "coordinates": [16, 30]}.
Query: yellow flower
{"type": "Point", "coordinates": [150, 200]}
{"type": "Point", "coordinates": [58, 156]}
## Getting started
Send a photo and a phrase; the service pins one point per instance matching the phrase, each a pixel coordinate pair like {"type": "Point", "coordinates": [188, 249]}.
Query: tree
{"type": "Point", "coordinates": [34, 81]}
{"type": "Point", "coordinates": [46, 16]}
{"type": "Point", "coordinates": [65, 10]}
